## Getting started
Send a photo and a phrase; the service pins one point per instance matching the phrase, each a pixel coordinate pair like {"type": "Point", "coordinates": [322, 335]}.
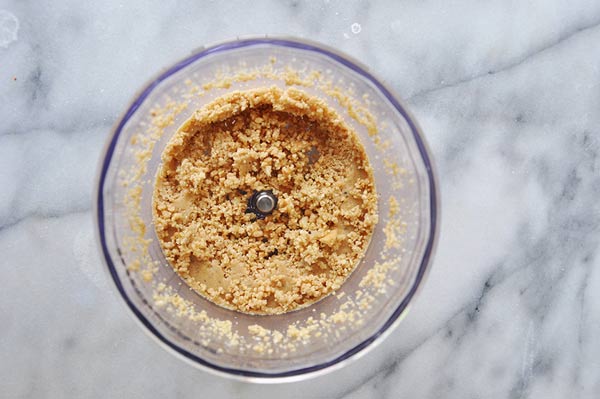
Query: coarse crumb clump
{"type": "Point", "coordinates": [265, 139]}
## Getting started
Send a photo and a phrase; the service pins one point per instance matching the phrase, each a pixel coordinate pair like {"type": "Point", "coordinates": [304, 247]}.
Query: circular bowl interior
{"type": "Point", "coordinates": [304, 342]}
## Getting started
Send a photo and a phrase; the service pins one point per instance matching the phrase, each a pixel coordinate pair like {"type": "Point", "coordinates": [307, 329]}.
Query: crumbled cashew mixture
{"type": "Point", "coordinates": [353, 307]}
{"type": "Point", "coordinates": [265, 139]}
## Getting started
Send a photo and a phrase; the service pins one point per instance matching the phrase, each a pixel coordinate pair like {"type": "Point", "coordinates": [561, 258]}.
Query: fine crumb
{"type": "Point", "coordinates": [394, 207]}
{"type": "Point", "coordinates": [265, 139]}
{"type": "Point", "coordinates": [377, 276]}
{"type": "Point", "coordinates": [257, 330]}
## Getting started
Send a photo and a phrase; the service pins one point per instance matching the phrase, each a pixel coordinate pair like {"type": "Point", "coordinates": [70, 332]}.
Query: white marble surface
{"type": "Point", "coordinates": [508, 93]}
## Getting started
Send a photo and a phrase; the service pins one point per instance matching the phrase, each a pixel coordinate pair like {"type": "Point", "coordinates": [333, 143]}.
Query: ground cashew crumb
{"type": "Point", "coordinates": [265, 139]}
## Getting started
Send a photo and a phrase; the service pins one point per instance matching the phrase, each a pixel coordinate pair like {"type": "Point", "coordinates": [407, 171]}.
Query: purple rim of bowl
{"type": "Point", "coordinates": [219, 48]}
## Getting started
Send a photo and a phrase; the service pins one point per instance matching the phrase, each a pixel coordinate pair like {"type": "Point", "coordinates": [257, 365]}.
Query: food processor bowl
{"type": "Point", "coordinates": [311, 340]}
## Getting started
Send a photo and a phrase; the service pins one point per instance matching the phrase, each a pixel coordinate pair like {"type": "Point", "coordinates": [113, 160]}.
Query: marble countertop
{"type": "Point", "coordinates": [508, 94]}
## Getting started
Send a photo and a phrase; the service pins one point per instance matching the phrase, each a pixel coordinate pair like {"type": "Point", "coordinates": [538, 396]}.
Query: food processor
{"type": "Point", "coordinates": [312, 340]}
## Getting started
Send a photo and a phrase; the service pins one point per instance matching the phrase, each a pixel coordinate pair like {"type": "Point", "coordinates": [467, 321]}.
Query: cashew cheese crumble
{"type": "Point", "coordinates": [299, 150]}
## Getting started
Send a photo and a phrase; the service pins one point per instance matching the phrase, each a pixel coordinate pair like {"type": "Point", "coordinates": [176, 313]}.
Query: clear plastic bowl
{"type": "Point", "coordinates": [414, 188]}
